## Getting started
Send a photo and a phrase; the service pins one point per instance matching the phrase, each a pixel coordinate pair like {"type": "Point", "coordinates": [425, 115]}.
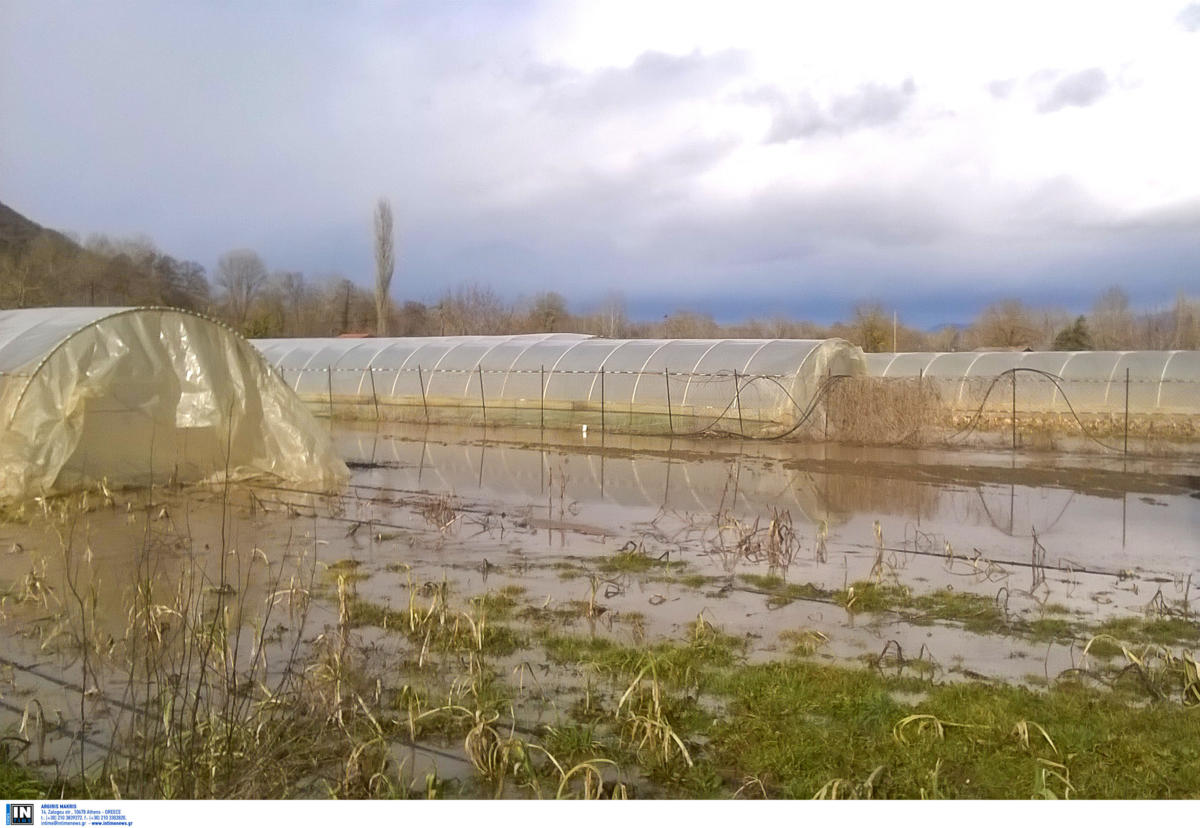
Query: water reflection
{"type": "Point", "coordinates": [1077, 520]}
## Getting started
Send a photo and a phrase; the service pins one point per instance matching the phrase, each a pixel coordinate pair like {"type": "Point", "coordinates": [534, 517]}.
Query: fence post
{"type": "Point", "coordinates": [737, 393]}
{"type": "Point", "coordinates": [424, 402]}
{"type": "Point", "coordinates": [601, 403]}
{"type": "Point", "coordinates": [670, 417]}
{"type": "Point", "coordinates": [1126, 411]}
{"type": "Point", "coordinates": [482, 400]}
{"type": "Point", "coordinates": [543, 404]}
{"type": "Point", "coordinates": [374, 396]}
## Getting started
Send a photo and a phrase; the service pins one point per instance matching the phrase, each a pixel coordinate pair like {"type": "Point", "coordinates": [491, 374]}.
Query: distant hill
{"type": "Point", "coordinates": [40, 267]}
{"type": "Point", "coordinates": [18, 233]}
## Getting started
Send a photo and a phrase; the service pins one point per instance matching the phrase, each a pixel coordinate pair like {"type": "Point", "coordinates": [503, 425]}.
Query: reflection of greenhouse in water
{"type": "Point", "coordinates": [687, 483]}
{"type": "Point", "coordinates": [974, 508]}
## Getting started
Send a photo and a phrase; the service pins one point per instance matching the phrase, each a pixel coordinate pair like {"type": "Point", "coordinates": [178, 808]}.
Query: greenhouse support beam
{"type": "Point", "coordinates": [374, 396]}
{"type": "Point", "coordinates": [670, 418]}
{"type": "Point", "coordinates": [737, 393]}
{"type": "Point", "coordinates": [482, 399]}
{"type": "Point", "coordinates": [424, 401]}
{"type": "Point", "coordinates": [1127, 410]}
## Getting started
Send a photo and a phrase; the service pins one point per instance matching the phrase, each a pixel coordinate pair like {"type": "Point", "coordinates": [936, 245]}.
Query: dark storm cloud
{"type": "Point", "coordinates": [1082, 88]}
{"type": "Point", "coordinates": [653, 79]}
{"type": "Point", "coordinates": [1189, 18]}
{"type": "Point", "coordinates": [871, 105]}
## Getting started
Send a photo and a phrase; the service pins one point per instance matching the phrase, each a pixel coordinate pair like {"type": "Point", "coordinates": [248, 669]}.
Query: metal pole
{"type": "Point", "coordinates": [737, 393]}
{"type": "Point", "coordinates": [374, 396]}
{"type": "Point", "coordinates": [828, 385]}
{"type": "Point", "coordinates": [1014, 409]}
{"type": "Point", "coordinates": [329, 374]}
{"type": "Point", "coordinates": [482, 401]}
{"type": "Point", "coordinates": [670, 417]}
{"type": "Point", "coordinates": [1127, 411]}
{"type": "Point", "coordinates": [543, 408]}
{"type": "Point", "coordinates": [424, 402]}
{"type": "Point", "coordinates": [601, 403]}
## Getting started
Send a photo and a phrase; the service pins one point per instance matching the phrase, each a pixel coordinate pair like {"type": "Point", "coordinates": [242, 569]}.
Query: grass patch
{"type": "Point", "coordinates": [804, 730]}
{"type": "Point", "coordinates": [632, 559]}
{"type": "Point", "coordinates": [441, 632]}
{"type": "Point", "coordinates": [1153, 631]}
{"type": "Point", "coordinates": [781, 592]}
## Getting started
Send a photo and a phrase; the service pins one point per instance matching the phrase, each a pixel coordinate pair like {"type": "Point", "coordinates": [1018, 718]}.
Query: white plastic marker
{"type": "Point", "coordinates": [585, 429]}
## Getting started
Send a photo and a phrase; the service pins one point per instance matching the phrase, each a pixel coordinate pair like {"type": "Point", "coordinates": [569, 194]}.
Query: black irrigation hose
{"type": "Point", "coordinates": [1055, 379]}
{"type": "Point", "coordinates": [829, 382]}
{"type": "Point", "coordinates": [806, 413]}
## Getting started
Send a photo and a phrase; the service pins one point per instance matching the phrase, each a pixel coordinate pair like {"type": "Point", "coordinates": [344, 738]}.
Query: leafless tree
{"type": "Point", "coordinates": [1007, 324]}
{"type": "Point", "coordinates": [241, 274]}
{"type": "Point", "coordinates": [872, 328]}
{"type": "Point", "coordinates": [548, 313]}
{"type": "Point", "coordinates": [385, 264]}
{"type": "Point", "coordinates": [1112, 321]}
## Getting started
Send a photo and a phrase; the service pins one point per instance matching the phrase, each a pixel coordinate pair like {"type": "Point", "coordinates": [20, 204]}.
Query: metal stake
{"type": "Point", "coordinates": [374, 396]}
{"type": "Point", "coordinates": [1014, 409]}
{"type": "Point", "coordinates": [737, 392]}
{"type": "Point", "coordinates": [1127, 411]}
{"type": "Point", "coordinates": [482, 401]}
{"type": "Point", "coordinates": [601, 402]}
{"type": "Point", "coordinates": [543, 407]}
{"type": "Point", "coordinates": [329, 374]}
{"type": "Point", "coordinates": [670, 417]}
{"type": "Point", "coordinates": [424, 402]}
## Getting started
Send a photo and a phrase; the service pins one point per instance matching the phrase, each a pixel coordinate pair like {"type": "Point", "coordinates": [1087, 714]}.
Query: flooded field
{"type": "Point", "coordinates": [472, 598]}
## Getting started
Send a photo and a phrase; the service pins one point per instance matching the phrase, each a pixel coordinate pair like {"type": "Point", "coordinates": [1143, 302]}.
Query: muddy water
{"type": "Point", "coordinates": [1111, 535]}
{"type": "Point", "coordinates": [484, 510]}
{"type": "Point", "coordinates": [1143, 518]}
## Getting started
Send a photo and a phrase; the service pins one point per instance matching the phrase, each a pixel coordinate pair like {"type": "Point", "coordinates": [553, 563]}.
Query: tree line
{"type": "Point", "coordinates": [48, 269]}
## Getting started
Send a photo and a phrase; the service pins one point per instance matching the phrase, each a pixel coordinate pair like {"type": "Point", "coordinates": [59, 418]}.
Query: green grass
{"type": "Point", "coordinates": [634, 561]}
{"type": "Point", "coordinates": [16, 782]}
{"type": "Point", "coordinates": [453, 632]}
{"type": "Point", "coordinates": [1154, 631]}
{"type": "Point", "coordinates": [781, 592]}
{"type": "Point", "coordinates": [798, 726]}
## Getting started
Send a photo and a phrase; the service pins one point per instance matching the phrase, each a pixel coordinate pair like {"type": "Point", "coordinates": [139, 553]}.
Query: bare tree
{"type": "Point", "coordinates": [241, 273]}
{"type": "Point", "coordinates": [871, 327]}
{"type": "Point", "coordinates": [1112, 321]}
{"type": "Point", "coordinates": [1187, 325]}
{"type": "Point", "coordinates": [548, 313]}
{"type": "Point", "coordinates": [385, 264]}
{"type": "Point", "coordinates": [1008, 324]}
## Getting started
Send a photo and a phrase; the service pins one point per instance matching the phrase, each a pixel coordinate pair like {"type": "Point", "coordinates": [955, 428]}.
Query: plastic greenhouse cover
{"type": "Point", "coordinates": [1095, 380]}
{"type": "Point", "coordinates": [450, 367]}
{"type": "Point", "coordinates": [132, 395]}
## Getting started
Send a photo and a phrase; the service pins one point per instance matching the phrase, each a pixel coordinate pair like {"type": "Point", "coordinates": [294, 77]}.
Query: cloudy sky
{"type": "Point", "coordinates": [735, 158]}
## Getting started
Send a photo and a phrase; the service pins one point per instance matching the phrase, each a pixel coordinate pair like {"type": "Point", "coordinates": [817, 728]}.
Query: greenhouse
{"type": "Point", "coordinates": [557, 380]}
{"type": "Point", "coordinates": [133, 395]}
{"type": "Point", "coordinates": [1086, 382]}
